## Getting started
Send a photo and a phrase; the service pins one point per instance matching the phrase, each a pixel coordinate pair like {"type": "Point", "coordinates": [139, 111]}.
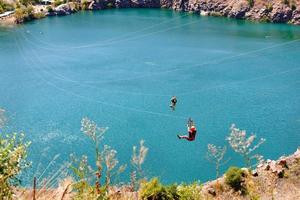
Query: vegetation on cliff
{"type": "Point", "coordinates": [13, 153]}
{"type": "Point", "coordinates": [5, 7]}
{"type": "Point", "coordinates": [276, 11]}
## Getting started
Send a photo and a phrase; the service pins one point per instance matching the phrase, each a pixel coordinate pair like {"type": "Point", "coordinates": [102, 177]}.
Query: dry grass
{"type": "Point", "coordinates": [62, 192]}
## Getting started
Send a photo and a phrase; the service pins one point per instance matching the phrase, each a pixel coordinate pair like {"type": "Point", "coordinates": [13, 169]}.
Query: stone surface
{"type": "Point", "coordinates": [273, 11]}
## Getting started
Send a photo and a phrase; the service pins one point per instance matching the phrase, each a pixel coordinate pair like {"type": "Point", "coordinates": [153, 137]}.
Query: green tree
{"type": "Point", "coordinates": [13, 153]}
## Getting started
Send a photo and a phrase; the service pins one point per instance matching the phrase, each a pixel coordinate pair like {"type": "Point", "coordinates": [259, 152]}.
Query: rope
{"type": "Point", "coordinates": [203, 64]}
{"type": "Point", "coordinates": [114, 40]}
{"type": "Point", "coordinates": [97, 101]}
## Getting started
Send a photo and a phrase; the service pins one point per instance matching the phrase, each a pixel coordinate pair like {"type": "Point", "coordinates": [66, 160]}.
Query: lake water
{"type": "Point", "coordinates": [121, 67]}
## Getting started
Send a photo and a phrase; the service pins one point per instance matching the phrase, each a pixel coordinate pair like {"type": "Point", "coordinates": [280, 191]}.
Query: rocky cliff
{"type": "Point", "coordinates": [276, 11]}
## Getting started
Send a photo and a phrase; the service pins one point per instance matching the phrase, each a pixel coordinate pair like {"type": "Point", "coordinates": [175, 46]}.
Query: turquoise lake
{"type": "Point", "coordinates": [121, 67]}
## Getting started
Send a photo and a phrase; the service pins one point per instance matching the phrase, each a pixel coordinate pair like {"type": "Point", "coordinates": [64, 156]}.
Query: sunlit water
{"type": "Point", "coordinates": [120, 68]}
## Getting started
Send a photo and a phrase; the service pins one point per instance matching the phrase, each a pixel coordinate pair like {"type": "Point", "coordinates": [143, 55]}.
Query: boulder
{"type": "Point", "coordinates": [254, 173]}
{"type": "Point", "coordinates": [280, 13]}
{"type": "Point", "coordinates": [211, 191]}
{"type": "Point", "coordinates": [64, 9]}
{"type": "Point", "coordinates": [237, 9]}
{"type": "Point", "coordinates": [122, 3]}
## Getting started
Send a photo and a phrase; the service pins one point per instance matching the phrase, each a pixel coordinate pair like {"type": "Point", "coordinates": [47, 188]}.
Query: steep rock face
{"type": "Point", "coordinates": [237, 9]}
{"type": "Point", "coordinates": [296, 17]}
{"type": "Point", "coordinates": [103, 4]}
{"type": "Point", "coordinates": [63, 9]}
{"type": "Point", "coordinates": [122, 3]}
{"type": "Point", "coordinates": [166, 3]}
{"type": "Point", "coordinates": [145, 3]}
{"type": "Point", "coordinates": [234, 8]}
{"type": "Point", "coordinates": [280, 13]}
{"type": "Point", "coordinates": [274, 11]}
{"type": "Point", "coordinates": [180, 5]}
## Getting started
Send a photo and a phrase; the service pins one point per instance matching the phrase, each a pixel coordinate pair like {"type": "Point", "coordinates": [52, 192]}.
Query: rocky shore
{"type": "Point", "coordinates": [273, 179]}
{"type": "Point", "coordinates": [275, 11]}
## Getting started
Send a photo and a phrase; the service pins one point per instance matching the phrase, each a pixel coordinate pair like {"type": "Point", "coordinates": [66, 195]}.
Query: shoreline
{"type": "Point", "coordinates": [278, 179]}
{"type": "Point", "coordinates": [275, 12]}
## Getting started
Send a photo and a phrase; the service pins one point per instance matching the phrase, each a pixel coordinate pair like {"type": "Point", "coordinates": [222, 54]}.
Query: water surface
{"type": "Point", "coordinates": [120, 68]}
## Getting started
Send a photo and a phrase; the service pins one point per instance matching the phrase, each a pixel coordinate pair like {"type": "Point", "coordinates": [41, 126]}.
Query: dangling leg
{"type": "Point", "coordinates": [190, 137]}
{"type": "Point", "coordinates": [183, 137]}
{"type": "Point", "coordinates": [172, 106]}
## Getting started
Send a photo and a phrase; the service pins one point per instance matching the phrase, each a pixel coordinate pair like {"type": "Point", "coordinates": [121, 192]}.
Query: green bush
{"type": "Point", "coordinates": [28, 2]}
{"type": "Point", "coordinates": [49, 9]}
{"type": "Point", "coordinates": [269, 7]}
{"type": "Point", "coordinates": [24, 14]}
{"type": "Point", "coordinates": [286, 2]}
{"type": "Point", "coordinates": [39, 15]}
{"type": "Point", "coordinates": [294, 7]}
{"type": "Point", "coordinates": [234, 178]}
{"type": "Point", "coordinates": [5, 7]}
{"type": "Point", "coordinates": [110, 5]}
{"type": "Point", "coordinates": [13, 152]}
{"type": "Point", "coordinates": [154, 190]}
{"type": "Point", "coordinates": [84, 5]}
{"type": "Point", "coordinates": [189, 192]}
{"type": "Point", "coordinates": [251, 3]}
{"type": "Point", "coordinates": [57, 3]}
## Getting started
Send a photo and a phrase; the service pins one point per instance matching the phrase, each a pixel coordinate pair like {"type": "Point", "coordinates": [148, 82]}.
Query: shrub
{"type": "Point", "coordinates": [38, 15]}
{"type": "Point", "coordinates": [20, 15]}
{"type": "Point", "coordinates": [13, 152]}
{"type": "Point", "coordinates": [28, 2]}
{"type": "Point", "coordinates": [154, 190]}
{"type": "Point", "coordinates": [269, 7]}
{"type": "Point", "coordinates": [49, 9]}
{"type": "Point", "coordinates": [24, 14]}
{"type": "Point", "coordinates": [85, 5]}
{"type": "Point", "coordinates": [190, 192]}
{"type": "Point", "coordinates": [234, 178]}
{"type": "Point", "coordinates": [110, 5]}
{"type": "Point", "coordinates": [5, 7]}
{"type": "Point", "coordinates": [286, 2]}
{"type": "Point", "coordinates": [251, 3]}
{"type": "Point", "coordinates": [57, 3]}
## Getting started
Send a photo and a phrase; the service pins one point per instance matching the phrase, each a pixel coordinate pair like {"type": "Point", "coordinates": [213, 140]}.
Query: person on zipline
{"type": "Point", "coordinates": [173, 102]}
{"type": "Point", "coordinates": [191, 130]}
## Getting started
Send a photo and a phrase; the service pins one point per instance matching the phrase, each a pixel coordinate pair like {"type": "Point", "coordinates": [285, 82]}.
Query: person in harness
{"type": "Point", "coordinates": [192, 131]}
{"type": "Point", "coordinates": [173, 102]}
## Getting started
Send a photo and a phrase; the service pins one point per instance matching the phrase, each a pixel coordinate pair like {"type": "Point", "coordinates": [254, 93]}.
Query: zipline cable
{"type": "Point", "coordinates": [102, 102]}
{"type": "Point", "coordinates": [207, 63]}
{"type": "Point", "coordinates": [107, 40]}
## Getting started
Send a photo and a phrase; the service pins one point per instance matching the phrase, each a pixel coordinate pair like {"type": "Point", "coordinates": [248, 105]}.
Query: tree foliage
{"type": "Point", "coordinates": [13, 153]}
{"type": "Point", "coordinates": [5, 7]}
{"type": "Point", "coordinates": [244, 145]}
